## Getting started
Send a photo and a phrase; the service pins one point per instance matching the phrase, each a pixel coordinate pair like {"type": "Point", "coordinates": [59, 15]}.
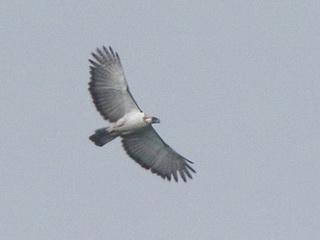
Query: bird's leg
{"type": "Point", "coordinates": [116, 125]}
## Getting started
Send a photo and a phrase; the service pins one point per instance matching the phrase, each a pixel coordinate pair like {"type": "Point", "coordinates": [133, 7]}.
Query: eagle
{"type": "Point", "coordinates": [110, 93]}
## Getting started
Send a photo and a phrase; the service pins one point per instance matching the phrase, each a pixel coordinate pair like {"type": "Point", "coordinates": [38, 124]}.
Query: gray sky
{"type": "Point", "coordinates": [235, 84]}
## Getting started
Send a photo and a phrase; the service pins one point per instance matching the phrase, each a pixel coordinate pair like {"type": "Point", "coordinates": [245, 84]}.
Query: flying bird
{"type": "Point", "coordinates": [112, 98]}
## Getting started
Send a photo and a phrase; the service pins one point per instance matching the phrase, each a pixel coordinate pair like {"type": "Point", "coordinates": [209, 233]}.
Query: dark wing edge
{"type": "Point", "coordinates": [105, 59]}
{"type": "Point", "coordinates": [152, 153]}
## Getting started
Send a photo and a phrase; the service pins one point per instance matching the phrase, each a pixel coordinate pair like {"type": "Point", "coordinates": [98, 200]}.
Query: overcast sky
{"type": "Point", "coordinates": [235, 83]}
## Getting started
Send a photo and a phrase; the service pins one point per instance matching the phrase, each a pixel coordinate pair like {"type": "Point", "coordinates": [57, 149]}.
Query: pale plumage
{"type": "Point", "coordinates": [112, 98]}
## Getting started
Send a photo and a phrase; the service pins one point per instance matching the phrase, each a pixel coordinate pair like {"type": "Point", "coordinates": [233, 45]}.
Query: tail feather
{"type": "Point", "coordinates": [101, 137]}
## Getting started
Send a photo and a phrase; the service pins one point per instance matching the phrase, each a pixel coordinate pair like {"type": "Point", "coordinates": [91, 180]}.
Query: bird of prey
{"type": "Point", "coordinates": [112, 98]}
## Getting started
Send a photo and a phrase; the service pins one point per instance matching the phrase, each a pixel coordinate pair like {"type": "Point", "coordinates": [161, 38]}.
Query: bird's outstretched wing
{"type": "Point", "coordinates": [151, 152]}
{"type": "Point", "coordinates": [108, 86]}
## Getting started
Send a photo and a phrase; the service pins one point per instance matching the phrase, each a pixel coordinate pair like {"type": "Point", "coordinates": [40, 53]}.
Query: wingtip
{"type": "Point", "coordinates": [93, 64]}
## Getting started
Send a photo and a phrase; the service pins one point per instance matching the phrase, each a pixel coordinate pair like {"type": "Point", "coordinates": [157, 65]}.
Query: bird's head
{"type": "Point", "coordinates": [150, 119]}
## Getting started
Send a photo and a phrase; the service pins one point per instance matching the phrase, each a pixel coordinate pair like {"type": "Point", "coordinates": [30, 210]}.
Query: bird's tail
{"type": "Point", "coordinates": [101, 137]}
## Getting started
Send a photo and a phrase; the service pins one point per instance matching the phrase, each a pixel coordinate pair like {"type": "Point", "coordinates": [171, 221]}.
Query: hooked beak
{"type": "Point", "coordinates": [155, 120]}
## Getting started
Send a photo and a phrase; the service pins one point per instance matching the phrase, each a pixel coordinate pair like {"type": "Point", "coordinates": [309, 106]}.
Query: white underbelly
{"type": "Point", "coordinates": [129, 124]}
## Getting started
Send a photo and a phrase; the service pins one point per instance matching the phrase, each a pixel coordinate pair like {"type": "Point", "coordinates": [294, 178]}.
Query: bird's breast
{"type": "Point", "coordinates": [129, 124]}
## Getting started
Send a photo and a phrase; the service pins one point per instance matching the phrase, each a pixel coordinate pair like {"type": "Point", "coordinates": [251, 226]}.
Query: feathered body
{"type": "Point", "coordinates": [112, 98]}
